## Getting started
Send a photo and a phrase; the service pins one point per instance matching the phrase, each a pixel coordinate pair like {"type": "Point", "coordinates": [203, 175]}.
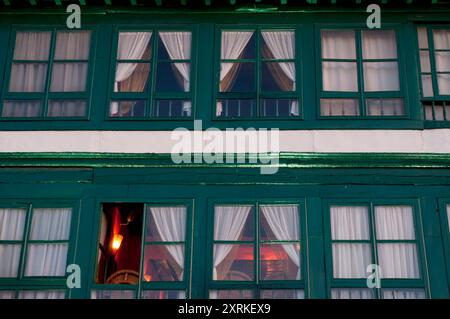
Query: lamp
{"type": "Point", "coordinates": [117, 241]}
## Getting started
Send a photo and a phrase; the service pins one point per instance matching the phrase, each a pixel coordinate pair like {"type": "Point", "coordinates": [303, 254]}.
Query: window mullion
{"type": "Point", "coordinates": [256, 244]}
{"type": "Point", "coordinates": [374, 244]}
{"type": "Point", "coordinates": [49, 73]}
{"type": "Point", "coordinates": [26, 234]}
{"type": "Point", "coordinates": [153, 66]}
{"type": "Point", "coordinates": [141, 263]}
{"type": "Point", "coordinates": [359, 63]}
{"type": "Point", "coordinates": [432, 64]}
{"type": "Point", "coordinates": [258, 71]}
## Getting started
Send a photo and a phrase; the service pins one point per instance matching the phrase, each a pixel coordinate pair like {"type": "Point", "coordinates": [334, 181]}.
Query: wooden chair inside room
{"type": "Point", "coordinates": [125, 276]}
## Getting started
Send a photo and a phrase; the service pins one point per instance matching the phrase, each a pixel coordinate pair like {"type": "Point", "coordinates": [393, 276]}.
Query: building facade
{"type": "Point", "coordinates": [359, 186]}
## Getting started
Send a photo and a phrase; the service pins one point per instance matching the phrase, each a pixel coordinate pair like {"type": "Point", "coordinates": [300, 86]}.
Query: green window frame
{"type": "Point", "coordinates": [391, 284]}
{"type": "Point", "coordinates": [361, 95]}
{"type": "Point", "coordinates": [150, 96]}
{"type": "Point", "coordinates": [47, 94]}
{"type": "Point", "coordinates": [444, 209]}
{"type": "Point", "coordinates": [121, 291]}
{"type": "Point", "coordinates": [258, 95]}
{"type": "Point", "coordinates": [256, 288]}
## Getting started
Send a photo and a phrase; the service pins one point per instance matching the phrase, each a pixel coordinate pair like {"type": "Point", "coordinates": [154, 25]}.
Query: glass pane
{"type": "Point", "coordinates": [404, 294]}
{"type": "Point", "coordinates": [172, 108]}
{"type": "Point", "coordinates": [163, 294]}
{"type": "Point", "coordinates": [385, 107]}
{"type": "Point", "coordinates": [9, 260]}
{"type": "Point", "coordinates": [237, 77]}
{"type": "Point", "coordinates": [134, 46]}
{"type": "Point", "coordinates": [173, 77]}
{"type": "Point", "coordinates": [441, 39]}
{"type": "Point", "coordinates": [167, 224]}
{"type": "Point", "coordinates": [442, 61]}
{"type": "Point", "coordinates": [22, 109]}
{"type": "Point", "coordinates": [163, 263]}
{"type": "Point", "coordinates": [398, 261]}
{"type": "Point", "coordinates": [379, 44]}
{"type": "Point", "coordinates": [7, 294]}
{"type": "Point", "coordinates": [32, 46]}
{"type": "Point", "coordinates": [444, 84]}
{"type": "Point", "coordinates": [428, 112]}
{"type": "Point", "coordinates": [277, 76]}
{"type": "Point", "coordinates": [235, 108]}
{"type": "Point", "coordinates": [279, 222]}
{"type": "Point", "coordinates": [46, 260]}
{"type": "Point", "coordinates": [233, 223]}
{"type": "Point", "coordinates": [425, 66]}
{"type": "Point", "coordinates": [112, 294]}
{"type": "Point", "coordinates": [339, 76]}
{"type": "Point", "coordinates": [351, 260]}
{"type": "Point", "coordinates": [74, 108]}
{"type": "Point", "coordinates": [279, 107]}
{"type": "Point", "coordinates": [12, 222]}
{"type": "Point", "coordinates": [282, 294]}
{"type": "Point", "coordinates": [338, 44]}
{"type": "Point", "coordinates": [394, 223]}
{"type": "Point", "coordinates": [132, 77]}
{"type": "Point", "coordinates": [127, 108]}
{"type": "Point", "coordinates": [349, 223]}
{"type": "Point", "coordinates": [72, 45]}
{"type": "Point", "coordinates": [381, 76]}
{"type": "Point", "coordinates": [42, 294]}
{"type": "Point", "coordinates": [339, 107]}
{"type": "Point", "coordinates": [69, 77]}
{"type": "Point", "coordinates": [423, 37]}
{"type": "Point", "coordinates": [427, 86]}
{"type": "Point", "coordinates": [237, 45]}
{"type": "Point", "coordinates": [231, 294]}
{"type": "Point", "coordinates": [280, 262]}
{"type": "Point", "coordinates": [439, 112]}
{"type": "Point", "coordinates": [278, 45]}
{"type": "Point", "coordinates": [50, 224]}
{"type": "Point", "coordinates": [174, 45]}
{"type": "Point", "coordinates": [233, 262]}
{"type": "Point", "coordinates": [352, 293]}
{"type": "Point", "coordinates": [28, 77]}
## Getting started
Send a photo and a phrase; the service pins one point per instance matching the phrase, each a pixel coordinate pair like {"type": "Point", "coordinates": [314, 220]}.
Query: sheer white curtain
{"type": "Point", "coordinates": [178, 45]}
{"type": "Point", "coordinates": [48, 259]}
{"type": "Point", "coordinates": [283, 221]}
{"type": "Point", "coordinates": [171, 225]}
{"type": "Point", "coordinates": [281, 45]}
{"type": "Point", "coordinates": [397, 260]}
{"type": "Point", "coordinates": [41, 294]}
{"type": "Point", "coordinates": [349, 223]}
{"type": "Point", "coordinates": [351, 293]}
{"type": "Point", "coordinates": [442, 42]}
{"type": "Point", "coordinates": [339, 107]}
{"type": "Point", "coordinates": [229, 223]}
{"type": "Point", "coordinates": [404, 294]}
{"type": "Point", "coordinates": [12, 222]}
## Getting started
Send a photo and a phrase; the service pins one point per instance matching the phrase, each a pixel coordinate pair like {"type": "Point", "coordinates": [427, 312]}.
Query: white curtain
{"type": "Point", "coordinates": [12, 222]}
{"type": "Point", "coordinates": [283, 221]}
{"type": "Point", "coordinates": [171, 225]}
{"type": "Point", "coordinates": [112, 294]}
{"type": "Point", "coordinates": [339, 107]}
{"type": "Point", "coordinates": [404, 294]}
{"type": "Point", "coordinates": [385, 107]}
{"type": "Point", "coordinates": [41, 294]}
{"type": "Point", "coordinates": [28, 77]}
{"type": "Point", "coordinates": [281, 45]}
{"type": "Point", "coordinates": [350, 223]}
{"type": "Point", "coordinates": [379, 44]}
{"type": "Point", "coordinates": [397, 260]}
{"type": "Point", "coordinates": [178, 46]}
{"type": "Point", "coordinates": [229, 223]}
{"type": "Point", "coordinates": [351, 293]}
{"type": "Point", "coordinates": [32, 46]}
{"type": "Point", "coordinates": [442, 42]}
{"type": "Point", "coordinates": [73, 45]}
{"type": "Point", "coordinates": [7, 294]}
{"type": "Point", "coordinates": [48, 259]}
{"type": "Point", "coordinates": [67, 108]}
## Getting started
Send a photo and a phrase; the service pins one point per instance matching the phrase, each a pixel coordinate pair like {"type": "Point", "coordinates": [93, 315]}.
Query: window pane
{"type": "Point", "coordinates": [174, 45]}
{"type": "Point", "coordinates": [349, 223]}
{"type": "Point", "coordinates": [22, 109]}
{"type": "Point", "coordinates": [278, 76]}
{"type": "Point", "coordinates": [428, 112]}
{"type": "Point", "coordinates": [379, 44]}
{"type": "Point", "coordinates": [7, 294]}
{"type": "Point", "coordinates": [279, 107]}
{"type": "Point", "coordinates": [398, 261]}
{"type": "Point", "coordinates": [28, 77]}
{"type": "Point", "coordinates": [69, 77]}
{"type": "Point", "coordinates": [425, 66]}
{"type": "Point", "coordinates": [173, 77]}
{"type": "Point", "coordinates": [439, 112]}
{"type": "Point", "coordinates": [381, 76]}
{"type": "Point", "coordinates": [233, 223]}
{"type": "Point", "coordinates": [50, 224]}
{"type": "Point", "coordinates": [423, 37]}
{"type": "Point", "coordinates": [167, 224]}
{"type": "Point", "coordinates": [127, 108]}
{"type": "Point", "coordinates": [442, 61]}
{"type": "Point", "coordinates": [231, 294]}
{"type": "Point", "coordinates": [278, 45]}
{"type": "Point", "coordinates": [235, 108]}
{"type": "Point", "coordinates": [12, 222]}
{"type": "Point", "coordinates": [134, 46]}
{"type": "Point", "coordinates": [385, 107]}
{"type": "Point", "coordinates": [351, 260]}
{"type": "Point", "coordinates": [282, 294]}
{"type": "Point", "coordinates": [163, 294]}
{"type": "Point", "coordinates": [72, 45]}
{"type": "Point", "coordinates": [441, 39]}
{"type": "Point", "coordinates": [394, 223]}
{"type": "Point", "coordinates": [233, 262]}
{"type": "Point", "coordinates": [427, 86]}
{"type": "Point", "coordinates": [338, 44]}
{"type": "Point", "coordinates": [132, 77]}
{"type": "Point", "coordinates": [352, 293]}
{"type": "Point", "coordinates": [112, 294]}
{"type": "Point", "coordinates": [279, 222]}
{"type": "Point", "coordinates": [42, 294]}
{"type": "Point", "coordinates": [9, 260]}
{"type": "Point", "coordinates": [339, 76]}
{"type": "Point", "coordinates": [237, 77]}
{"type": "Point", "coordinates": [339, 107]}
{"type": "Point", "coordinates": [75, 108]}
{"type": "Point", "coordinates": [46, 260]}
{"type": "Point", "coordinates": [173, 108]}
{"type": "Point", "coordinates": [404, 294]}
{"type": "Point", "coordinates": [444, 84]}
{"type": "Point", "coordinates": [280, 262]}
{"type": "Point", "coordinates": [163, 263]}
{"type": "Point", "coordinates": [237, 45]}
{"type": "Point", "coordinates": [32, 46]}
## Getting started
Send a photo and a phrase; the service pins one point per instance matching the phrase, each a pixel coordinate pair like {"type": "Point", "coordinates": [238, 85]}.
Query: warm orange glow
{"type": "Point", "coordinates": [148, 278]}
{"type": "Point", "coordinates": [117, 241]}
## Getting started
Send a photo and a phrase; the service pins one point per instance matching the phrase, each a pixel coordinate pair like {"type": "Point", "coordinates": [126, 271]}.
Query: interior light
{"type": "Point", "coordinates": [117, 241]}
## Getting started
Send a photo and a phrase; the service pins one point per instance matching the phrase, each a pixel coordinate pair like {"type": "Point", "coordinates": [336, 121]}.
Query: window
{"type": "Point", "coordinates": [360, 74]}
{"type": "Point", "coordinates": [380, 234]}
{"type": "Point", "coordinates": [49, 75]}
{"type": "Point", "coordinates": [258, 74]}
{"type": "Point", "coordinates": [152, 77]}
{"type": "Point", "coordinates": [152, 262]}
{"type": "Point", "coordinates": [259, 247]}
